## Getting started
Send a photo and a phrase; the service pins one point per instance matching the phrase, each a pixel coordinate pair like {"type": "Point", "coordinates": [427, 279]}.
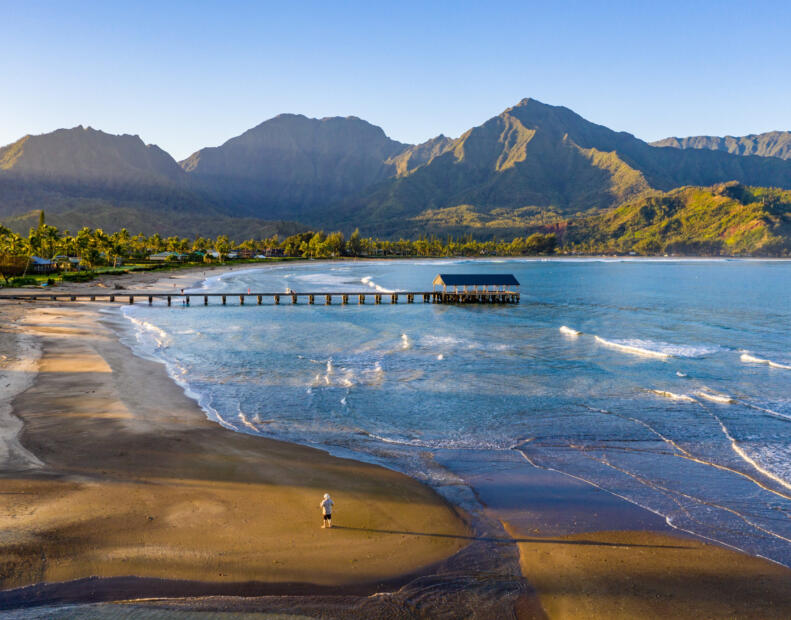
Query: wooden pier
{"type": "Point", "coordinates": [326, 297]}
{"type": "Point", "coordinates": [455, 289]}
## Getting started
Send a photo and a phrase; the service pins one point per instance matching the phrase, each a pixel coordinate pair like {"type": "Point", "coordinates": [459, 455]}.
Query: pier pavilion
{"type": "Point", "coordinates": [476, 287]}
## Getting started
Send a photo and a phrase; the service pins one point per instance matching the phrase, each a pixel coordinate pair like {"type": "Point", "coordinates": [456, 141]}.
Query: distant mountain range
{"type": "Point", "coordinates": [532, 167]}
{"type": "Point", "coordinates": [770, 144]}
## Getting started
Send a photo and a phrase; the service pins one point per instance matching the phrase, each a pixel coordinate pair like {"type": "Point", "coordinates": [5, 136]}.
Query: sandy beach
{"type": "Point", "coordinates": [116, 487]}
{"type": "Point", "coordinates": [122, 475]}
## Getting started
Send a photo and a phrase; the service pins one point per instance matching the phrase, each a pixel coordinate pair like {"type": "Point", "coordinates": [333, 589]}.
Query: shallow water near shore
{"type": "Point", "coordinates": [667, 383]}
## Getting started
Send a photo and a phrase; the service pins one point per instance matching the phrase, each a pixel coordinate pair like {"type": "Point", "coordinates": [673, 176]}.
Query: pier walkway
{"type": "Point", "coordinates": [326, 297]}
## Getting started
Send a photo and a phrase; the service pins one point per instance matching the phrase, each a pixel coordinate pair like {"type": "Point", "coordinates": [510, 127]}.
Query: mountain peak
{"type": "Point", "coordinates": [293, 161]}
{"type": "Point", "coordinates": [525, 101]}
{"type": "Point", "coordinates": [84, 152]}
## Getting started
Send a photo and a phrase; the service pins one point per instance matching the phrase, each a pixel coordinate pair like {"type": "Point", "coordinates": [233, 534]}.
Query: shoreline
{"type": "Point", "coordinates": [564, 503]}
{"type": "Point", "coordinates": [205, 485]}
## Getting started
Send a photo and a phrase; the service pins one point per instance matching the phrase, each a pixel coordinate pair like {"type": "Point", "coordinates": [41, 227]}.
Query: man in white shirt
{"type": "Point", "coordinates": [326, 509]}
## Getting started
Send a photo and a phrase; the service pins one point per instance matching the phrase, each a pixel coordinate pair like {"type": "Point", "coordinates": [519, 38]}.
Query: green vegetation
{"type": "Point", "coordinates": [91, 252]}
{"type": "Point", "coordinates": [725, 220]}
{"type": "Point", "coordinates": [728, 219]}
{"type": "Point", "coordinates": [78, 276]}
{"type": "Point", "coordinates": [24, 281]}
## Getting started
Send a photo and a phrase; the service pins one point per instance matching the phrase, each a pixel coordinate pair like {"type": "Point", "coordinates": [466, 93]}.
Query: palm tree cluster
{"type": "Point", "coordinates": [94, 247]}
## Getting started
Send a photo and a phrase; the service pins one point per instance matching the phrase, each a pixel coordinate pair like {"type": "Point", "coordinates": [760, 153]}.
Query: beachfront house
{"type": "Point", "coordinates": [476, 282]}
{"type": "Point", "coordinates": [41, 265]}
{"type": "Point", "coordinates": [166, 256]}
{"type": "Point", "coordinates": [66, 263]}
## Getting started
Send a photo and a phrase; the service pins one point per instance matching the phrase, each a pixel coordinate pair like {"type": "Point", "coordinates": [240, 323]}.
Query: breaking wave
{"type": "Point", "coordinates": [368, 281]}
{"type": "Point", "coordinates": [752, 359]}
{"type": "Point", "coordinates": [160, 336]}
{"type": "Point", "coordinates": [568, 331]}
{"type": "Point", "coordinates": [651, 348]}
{"type": "Point", "coordinates": [635, 347]}
{"type": "Point", "coordinates": [673, 396]}
{"type": "Point", "coordinates": [715, 397]}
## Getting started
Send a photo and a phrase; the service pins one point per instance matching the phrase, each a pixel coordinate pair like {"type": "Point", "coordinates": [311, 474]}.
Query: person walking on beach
{"type": "Point", "coordinates": [326, 509]}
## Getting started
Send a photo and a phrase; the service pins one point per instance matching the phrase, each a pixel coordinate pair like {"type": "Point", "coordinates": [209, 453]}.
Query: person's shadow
{"type": "Point", "coordinates": [506, 540]}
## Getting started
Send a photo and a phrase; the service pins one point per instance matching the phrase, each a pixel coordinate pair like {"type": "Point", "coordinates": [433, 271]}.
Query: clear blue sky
{"type": "Point", "coordinates": [193, 74]}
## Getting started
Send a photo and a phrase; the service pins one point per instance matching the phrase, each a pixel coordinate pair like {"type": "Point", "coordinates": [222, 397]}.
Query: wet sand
{"type": "Point", "coordinates": [583, 567]}
{"type": "Point", "coordinates": [133, 480]}
{"type": "Point", "coordinates": [633, 574]}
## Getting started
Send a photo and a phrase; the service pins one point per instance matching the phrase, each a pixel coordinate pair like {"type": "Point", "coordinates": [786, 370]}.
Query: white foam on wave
{"type": "Point", "coordinates": [405, 343]}
{"type": "Point", "coordinates": [440, 357]}
{"type": "Point", "coordinates": [680, 374]}
{"type": "Point", "coordinates": [635, 347]}
{"type": "Point", "coordinates": [368, 281]}
{"type": "Point", "coordinates": [345, 377]}
{"type": "Point", "coordinates": [652, 348]}
{"type": "Point", "coordinates": [715, 397]}
{"type": "Point", "coordinates": [771, 412]}
{"type": "Point", "coordinates": [673, 396]}
{"type": "Point", "coordinates": [432, 340]}
{"type": "Point", "coordinates": [568, 331]}
{"type": "Point", "coordinates": [752, 359]}
{"type": "Point", "coordinates": [246, 422]}
{"type": "Point", "coordinates": [176, 372]}
{"type": "Point", "coordinates": [161, 337]}
{"type": "Point", "coordinates": [348, 378]}
{"type": "Point", "coordinates": [452, 342]}
{"type": "Point", "coordinates": [740, 451]}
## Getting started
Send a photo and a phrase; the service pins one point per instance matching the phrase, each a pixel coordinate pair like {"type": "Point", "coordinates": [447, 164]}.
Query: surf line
{"type": "Point", "coordinates": [685, 454]}
{"type": "Point", "coordinates": [669, 492]}
{"type": "Point", "coordinates": [667, 519]}
{"type": "Point", "coordinates": [752, 359]}
{"type": "Point", "coordinates": [744, 456]}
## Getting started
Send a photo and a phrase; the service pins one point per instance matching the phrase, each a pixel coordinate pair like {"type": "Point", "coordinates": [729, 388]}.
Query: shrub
{"type": "Point", "coordinates": [78, 276]}
{"type": "Point", "coordinates": [23, 281]}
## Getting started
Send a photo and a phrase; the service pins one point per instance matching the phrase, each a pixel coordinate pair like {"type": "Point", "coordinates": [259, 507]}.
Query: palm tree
{"type": "Point", "coordinates": [50, 237]}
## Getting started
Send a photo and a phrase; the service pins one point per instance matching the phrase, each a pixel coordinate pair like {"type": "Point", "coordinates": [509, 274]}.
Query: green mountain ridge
{"type": "Point", "coordinates": [534, 167]}
{"type": "Point", "coordinates": [536, 156]}
{"type": "Point", "coordinates": [726, 219]}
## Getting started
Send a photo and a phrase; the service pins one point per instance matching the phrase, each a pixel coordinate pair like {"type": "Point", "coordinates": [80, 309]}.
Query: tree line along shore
{"type": "Point", "coordinates": [48, 252]}
{"type": "Point", "coordinates": [725, 220]}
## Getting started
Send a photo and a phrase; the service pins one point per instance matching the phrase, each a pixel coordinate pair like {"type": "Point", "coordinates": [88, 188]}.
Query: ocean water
{"type": "Point", "coordinates": [665, 382]}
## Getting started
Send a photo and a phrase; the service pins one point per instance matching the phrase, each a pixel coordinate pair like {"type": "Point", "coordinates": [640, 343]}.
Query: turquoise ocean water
{"type": "Point", "coordinates": [665, 382]}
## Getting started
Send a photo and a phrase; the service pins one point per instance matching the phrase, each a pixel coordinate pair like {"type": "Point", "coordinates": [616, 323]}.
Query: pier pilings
{"type": "Point", "coordinates": [428, 297]}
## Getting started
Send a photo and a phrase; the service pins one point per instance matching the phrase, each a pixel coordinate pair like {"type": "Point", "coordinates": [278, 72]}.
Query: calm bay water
{"type": "Point", "coordinates": [665, 382]}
